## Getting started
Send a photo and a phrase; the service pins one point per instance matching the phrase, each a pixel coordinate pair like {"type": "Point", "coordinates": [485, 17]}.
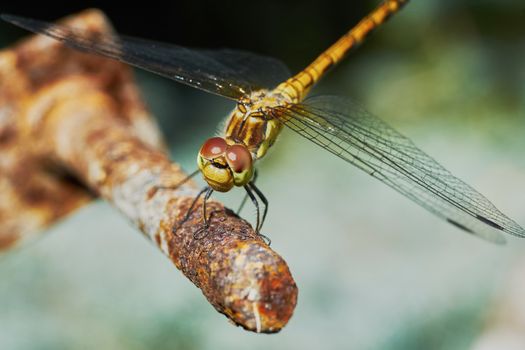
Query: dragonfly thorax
{"type": "Point", "coordinates": [252, 122]}
{"type": "Point", "coordinates": [260, 100]}
{"type": "Point", "coordinates": [225, 165]}
{"type": "Point", "coordinates": [250, 131]}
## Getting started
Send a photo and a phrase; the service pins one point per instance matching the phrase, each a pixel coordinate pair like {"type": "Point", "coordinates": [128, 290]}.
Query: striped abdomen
{"type": "Point", "coordinates": [299, 85]}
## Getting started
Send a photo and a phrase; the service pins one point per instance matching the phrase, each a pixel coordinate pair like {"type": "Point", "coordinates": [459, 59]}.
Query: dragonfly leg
{"type": "Point", "coordinates": [258, 225]}
{"type": "Point", "coordinates": [206, 221]}
{"type": "Point", "coordinates": [204, 216]}
{"type": "Point", "coordinates": [188, 213]}
{"type": "Point", "coordinates": [172, 187]}
{"type": "Point", "coordinates": [263, 200]}
{"type": "Point", "coordinates": [255, 203]}
{"type": "Point", "coordinates": [246, 195]}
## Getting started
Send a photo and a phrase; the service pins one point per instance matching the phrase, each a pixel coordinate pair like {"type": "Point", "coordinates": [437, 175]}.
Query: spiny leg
{"type": "Point", "coordinates": [256, 204]}
{"type": "Point", "coordinates": [246, 195]}
{"type": "Point", "coordinates": [197, 234]}
{"type": "Point", "coordinates": [188, 213]}
{"type": "Point", "coordinates": [263, 199]}
{"type": "Point", "coordinates": [206, 197]}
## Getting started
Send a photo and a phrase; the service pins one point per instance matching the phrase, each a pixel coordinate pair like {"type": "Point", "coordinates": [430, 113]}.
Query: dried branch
{"type": "Point", "coordinates": [61, 109]}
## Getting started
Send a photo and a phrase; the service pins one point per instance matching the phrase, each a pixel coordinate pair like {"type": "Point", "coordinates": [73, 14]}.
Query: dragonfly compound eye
{"type": "Point", "coordinates": [239, 160]}
{"type": "Point", "coordinates": [213, 147]}
{"type": "Point", "coordinates": [212, 164]}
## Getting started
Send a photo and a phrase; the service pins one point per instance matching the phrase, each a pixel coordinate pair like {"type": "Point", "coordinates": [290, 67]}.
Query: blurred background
{"type": "Point", "coordinates": [374, 270]}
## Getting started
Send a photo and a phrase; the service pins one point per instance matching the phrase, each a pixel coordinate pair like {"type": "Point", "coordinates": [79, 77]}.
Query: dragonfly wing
{"type": "Point", "coordinates": [345, 129]}
{"type": "Point", "coordinates": [228, 73]}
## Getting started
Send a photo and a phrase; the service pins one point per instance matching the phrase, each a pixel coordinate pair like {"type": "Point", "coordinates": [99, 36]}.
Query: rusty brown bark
{"type": "Point", "coordinates": [82, 114]}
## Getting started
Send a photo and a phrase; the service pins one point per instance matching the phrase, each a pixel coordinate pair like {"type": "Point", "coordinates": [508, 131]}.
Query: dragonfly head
{"type": "Point", "coordinates": [224, 166]}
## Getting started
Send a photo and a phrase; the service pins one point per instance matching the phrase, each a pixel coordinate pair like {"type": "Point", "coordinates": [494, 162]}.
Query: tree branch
{"type": "Point", "coordinates": [83, 113]}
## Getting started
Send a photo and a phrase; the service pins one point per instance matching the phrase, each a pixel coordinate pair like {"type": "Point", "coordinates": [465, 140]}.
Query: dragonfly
{"type": "Point", "coordinates": [268, 98]}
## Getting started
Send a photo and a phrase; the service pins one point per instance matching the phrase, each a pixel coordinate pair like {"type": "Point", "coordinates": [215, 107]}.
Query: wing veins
{"type": "Point", "coordinates": [374, 152]}
{"type": "Point", "coordinates": [396, 161]}
{"type": "Point", "coordinates": [386, 156]}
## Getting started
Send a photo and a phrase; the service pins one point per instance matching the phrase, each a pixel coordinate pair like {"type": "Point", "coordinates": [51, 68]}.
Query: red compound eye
{"type": "Point", "coordinates": [213, 147]}
{"type": "Point", "coordinates": [239, 158]}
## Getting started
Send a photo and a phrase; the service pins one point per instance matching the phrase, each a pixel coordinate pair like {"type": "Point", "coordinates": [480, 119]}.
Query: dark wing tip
{"type": "Point", "coordinates": [510, 226]}
{"type": "Point", "coordinates": [493, 237]}
{"type": "Point", "coordinates": [489, 222]}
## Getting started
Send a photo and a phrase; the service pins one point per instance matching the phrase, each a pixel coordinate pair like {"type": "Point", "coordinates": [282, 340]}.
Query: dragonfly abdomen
{"type": "Point", "coordinates": [297, 87]}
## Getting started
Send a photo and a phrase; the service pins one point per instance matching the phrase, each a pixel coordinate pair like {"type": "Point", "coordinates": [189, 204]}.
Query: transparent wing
{"type": "Point", "coordinates": [348, 131]}
{"type": "Point", "coordinates": [229, 73]}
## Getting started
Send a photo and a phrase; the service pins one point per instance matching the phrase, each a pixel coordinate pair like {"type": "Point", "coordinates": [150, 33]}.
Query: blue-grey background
{"type": "Point", "coordinates": [374, 270]}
